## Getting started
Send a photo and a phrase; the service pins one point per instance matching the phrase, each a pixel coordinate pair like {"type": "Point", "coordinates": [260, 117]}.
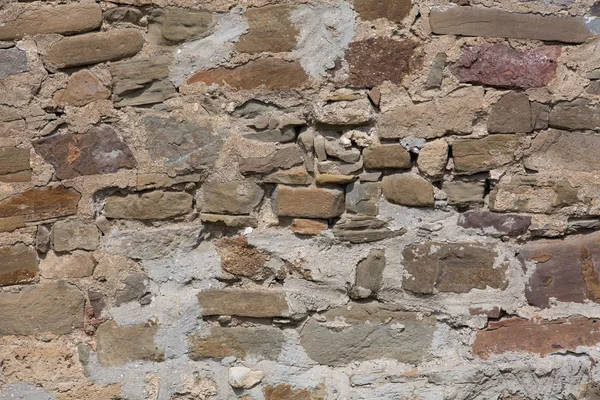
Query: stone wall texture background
{"type": "Point", "coordinates": [303, 199]}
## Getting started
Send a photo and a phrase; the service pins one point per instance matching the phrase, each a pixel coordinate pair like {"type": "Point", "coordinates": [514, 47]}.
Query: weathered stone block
{"type": "Point", "coordinates": [273, 73]}
{"type": "Point", "coordinates": [571, 151]}
{"type": "Point", "coordinates": [41, 203]}
{"type": "Point", "coordinates": [18, 264]}
{"type": "Point", "coordinates": [93, 48]}
{"type": "Point", "coordinates": [63, 19]}
{"type": "Point", "coordinates": [79, 264]}
{"type": "Point", "coordinates": [119, 345]}
{"type": "Point", "coordinates": [308, 202]}
{"type": "Point", "coordinates": [344, 113]}
{"type": "Point", "coordinates": [74, 234]}
{"type": "Point", "coordinates": [451, 267]}
{"type": "Point", "coordinates": [264, 342]}
{"type": "Point", "coordinates": [309, 227]}
{"type": "Point", "coordinates": [387, 156]}
{"type": "Point", "coordinates": [284, 157]}
{"type": "Point", "coordinates": [9, 224]}
{"type": "Point", "coordinates": [363, 198]}
{"type": "Point", "coordinates": [576, 114]}
{"type": "Point", "coordinates": [474, 21]}
{"type": "Point", "coordinates": [135, 287]}
{"type": "Point", "coordinates": [240, 258]}
{"type": "Point", "coordinates": [55, 307]}
{"type": "Point", "coordinates": [98, 151]}
{"type": "Point", "coordinates": [236, 197]}
{"type": "Point", "coordinates": [12, 61]}
{"type": "Point", "coordinates": [433, 158]}
{"type": "Point", "coordinates": [294, 176]}
{"type": "Point", "coordinates": [495, 223]}
{"type": "Point", "coordinates": [234, 221]}
{"type": "Point", "coordinates": [82, 88]}
{"type": "Point", "coordinates": [148, 205]}
{"type": "Point", "coordinates": [270, 30]}
{"type": "Point", "coordinates": [244, 303]}
{"type": "Point", "coordinates": [180, 24]}
{"type": "Point", "coordinates": [393, 10]}
{"type": "Point", "coordinates": [502, 66]}
{"type": "Point", "coordinates": [511, 114]}
{"type": "Point", "coordinates": [363, 229]}
{"type": "Point", "coordinates": [369, 275]}
{"type": "Point", "coordinates": [478, 155]}
{"type": "Point", "coordinates": [367, 333]}
{"type": "Point", "coordinates": [408, 190]}
{"type": "Point", "coordinates": [464, 192]}
{"type": "Point", "coordinates": [14, 165]}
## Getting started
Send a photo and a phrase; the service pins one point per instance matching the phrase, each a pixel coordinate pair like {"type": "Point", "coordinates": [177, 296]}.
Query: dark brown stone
{"type": "Point", "coordinates": [541, 337]}
{"type": "Point", "coordinates": [495, 223]}
{"type": "Point", "coordinates": [98, 151]}
{"type": "Point", "coordinates": [240, 258]}
{"type": "Point", "coordinates": [393, 10]}
{"type": "Point", "coordinates": [576, 114]}
{"type": "Point", "coordinates": [244, 303]}
{"type": "Point", "coordinates": [511, 114]}
{"type": "Point", "coordinates": [502, 66]}
{"type": "Point", "coordinates": [273, 73]}
{"type": "Point", "coordinates": [565, 269]}
{"type": "Point", "coordinates": [309, 202]}
{"type": "Point", "coordinates": [118, 345]}
{"type": "Point", "coordinates": [41, 203]}
{"type": "Point", "coordinates": [374, 61]}
{"type": "Point", "coordinates": [14, 165]}
{"type": "Point", "coordinates": [476, 21]}
{"type": "Point", "coordinates": [451, 267]}
{"type": "Point", "coordinates": [478, 155]}
{"type": "Point", "coordinates": [572, 151]}
{"type": "Point", "coordinates": [18, 264]}
{"type": "Point", "coordinates": [270, 30]}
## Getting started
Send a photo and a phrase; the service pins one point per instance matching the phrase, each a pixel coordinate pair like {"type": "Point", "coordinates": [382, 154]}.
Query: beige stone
{"type": "Point", "coordinates": [308, 227]}
{"type": "Point", "coordinates": [572, 151]}
{"type": "Point", "coordinates": [79, 264]}
{"type": "Point", "coordinates": [244, 303]}
{"type": "Point", "coordinates": [433, 158]}
{"type": "Point", "coordinates": [119, 345]}
{"type": "Point", "coordinates": [462, 192]}
{"type": "Point", "coordinates": [408, 190]}
{"type": "Point", "coordinates": [149, 205]}
{"type": "Point", "coordinates": [309, 202]}
{"type": "Point", "coordinates": [294, 176]}
{"type": "Point", "coordinates": [270, 30]}
{"type": "Point", "coordinates": [478, 155]}
{"type": "Point", "coordinates": [262, 341]}
{"type": "Point", "coordinates": [331, 179]}
{"type": "Point", "coordinates": [9, 224]}
{"type": "Point", "coordinates": [236, 197]}
{"type": "Point", "coordinates": [83, 88]}
{"type": "Point", "coordinates": [18, 264]}
{"type": "Point", "coordinates": [14, 165]}
{"type": "Point", "coordinates": [235, 221]}
{"type": "Point", "coordinates": [387, 156]}
{"type": "Point", "coordinates": [74, 234]}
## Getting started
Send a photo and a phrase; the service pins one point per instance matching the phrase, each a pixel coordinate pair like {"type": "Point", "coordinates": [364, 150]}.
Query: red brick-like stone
{"type": "Point", "coordinates": [502, 66]}
{"type": "Point", "coordinates": [41, 203]}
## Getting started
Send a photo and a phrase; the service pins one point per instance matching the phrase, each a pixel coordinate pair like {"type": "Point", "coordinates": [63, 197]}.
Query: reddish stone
{"type": "Point", "coordinates": [374, 61]}
{"type": "Point", "coordinates": [543, 337]}
{"type": "Point", "coordinates": [308, 227]}
{"type": "Point", "coordinates": [502, 66]}
{"type": "Point", "coordinates": [274, 73]}
{"type": "Point", "coordinates": [83, 88]}
{"type": "Point", "coordinates": [98, 151]}
{"type": "Point", "coordinates": [41, 203]}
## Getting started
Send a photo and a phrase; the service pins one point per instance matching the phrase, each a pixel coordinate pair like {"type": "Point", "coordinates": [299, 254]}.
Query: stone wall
{"type": "Point", "coordinates": [314, 199]}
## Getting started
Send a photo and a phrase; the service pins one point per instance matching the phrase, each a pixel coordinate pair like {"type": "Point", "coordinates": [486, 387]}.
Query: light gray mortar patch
{"type": "Point", "coordinates": [208, 52]}
{"type": "Point", "coordinates": [593, 24]}
{"type": "Point", "coordinates": [325, 33]}
{"type": "Point", "coordinates": [25, 391]}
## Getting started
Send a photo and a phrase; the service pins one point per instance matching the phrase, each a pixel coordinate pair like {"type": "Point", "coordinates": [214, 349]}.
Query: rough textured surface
{"type": "Point", "coordinates": [148, 205]}
{"type": "Point", "coordinates": [12, 61]}
{"type": "Point", "coordinates": [408, 189]}
{"type": "Point", "coordinates": [243, 303]}
{"type": "Point", "coordinates": [472, 155]}
{"type": "Point", "coordinates": [18, 264]}
{"type": "Point", "coordinates": [309, 202]}
{"type": "Point", "coordinates": [41, 204]}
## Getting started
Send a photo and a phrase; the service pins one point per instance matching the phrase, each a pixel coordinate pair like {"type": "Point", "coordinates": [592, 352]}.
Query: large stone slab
{"type": "Point", "coordinates": [451, 267]}
{"type": "Point", "coordinates": [244, 303]}
{"type": "Point", "coordinates": [474, 21]}
{"type": "Point", "coordinates": [478, 155]}
{"type": "Point", "coordinates": [119, 345]}
{"type": "Point", "coordinates": [576, 114]}
{"type": "Point", "coordinates": [41, 203]}
{"type": "Point", "coordinates": [18, 264]}
{"type": "Point", "coordinates": [308, 202]}
{"type": "Point", "coordinates": [236, 197]}
{"type": "Point", "coordinates": [154, 205]}
{"type": "Point", "coordinates": [14, 165]}
{"type": "Point", "coordinates": [12, 61]}
{"type": "Point", "coordinates": [94, 48]}
{"type": "Point", "coordinates": [98, 151]}
{"type": "Point", "coordinates": [554, 149]}
{"type": "Point", "coordinates": [270, 30]}
{"type": "Point", "coordinates": [55, 307]}
{"type": "Point", "coordinates": [241, 342]}
{"type": "Point", "coordinates": [63, 19]}
{"type": "Point", "coordinates": [361, 332]}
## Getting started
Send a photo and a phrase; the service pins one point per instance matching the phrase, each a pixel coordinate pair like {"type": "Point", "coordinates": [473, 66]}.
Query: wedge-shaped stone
{"type": "Point", "coordinates": [14, 165]}
{"type": "Point", "coordinates": [473, 21]}
{"type": "Point", "coordinates": [41, 203]}
{"type": "Point", "coordinates": [119, 345]}
{"type": "Point", "coordinates": [244, 303]}
{"type": "Point", "coordinates": [264, 341]}
{"type": "Point", "coordinates": [18, 264]}
{"type": "Point", "coordinates": [63, 19]}
{"type": "Point", "coordinates": [478, 155]}
{"type": "Point", "coordinates": [308, 202]}
{"type": "Point", "coordinates": [148, 205]}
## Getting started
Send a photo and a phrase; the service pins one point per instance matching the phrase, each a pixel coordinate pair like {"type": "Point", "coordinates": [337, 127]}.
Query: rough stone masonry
{"type": "Point", "coordinates": [300, 200]}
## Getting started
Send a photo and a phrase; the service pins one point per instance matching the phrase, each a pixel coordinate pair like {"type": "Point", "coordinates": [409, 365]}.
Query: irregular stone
{"type": "Point", "coordinates": [98, 151]}
{"type": "Point", "coordinates": [436, 71]}
{"type": "Point", "coordinates": [511, 114]}
{"type": "Point", "coordinates": [82, 88]}
{"type": "Point", "coordinates": [79, 264]}
{"type": "Point", "coordinates": [240, 258]}
{"type": "Point", "coordinates": [12, 61]}
{"type": "Point", "coordinates": [592, 88]}
{"type": "Point", "coordinates": [319, 142]}
{"type": "Point", "coordinates": [541, 337]}
{"type": "Point", "coordinates": [339, 168]}
{"type": "Point", "coordinates": [18, 264]}
{"type": "Point", "coordinates": [478, 155]}
{"type": "Point", "coordinates": [181, 144]}
{"type": "Point", "coordinates": [387, 156]}
{"type": "Point", "coordinates": [284, 157]}
{"type": "Point", "coordinates": [453, 113]}
{"type": "Point", "coordinates": [74, 234]}
{"type": "Point", "coordinates": [393, 10]}
{"type": "Point", "coordinates": [374, 61]}
{"type": "Point", "coordinates": [148, 205]}
{"type": "Point", "coordinates": [502, 66]}
{"type": "Point", "coordinates": [309, 227]}
{"type": "Point", "coordinates": [240, 342]}
{"type": "Point", "coordinates": [119, 345]}
{"type": "Point", "coordinates": [180, 24]}
{"type": "Point", "coordinates": [142, 81]}
{"type": "Point", "coordinates": [285, 392]}
{"type": "Point", "coordinates": [42, 239]}
{"type": "Point", "coordinates": [94, 48]}
{"type": "Point", "coordinates": [576, 114]}
{"type": "Point", "coordinates": [555, 149]}
{"type": "Point", "coordinates": [451, 267]}
{"type": "Point", "coordinates": [62, 19]}
{"type": "Point", "coordinates": [152, 243]}
{"type": "Point", "coordinates": [476, 21]}
{"type": "Point", "coordinates": [136, 286]}
{"type": "Point", "coordinates": [370, 177]}
{"type": "Point", "coordinates": [55, 307]}
{"type": "Point", "coordinates": [153, 181]}
{"type": "Point", "coordinates": [363, 229]}
{"type": "Point", "coordinates": [273, 73]}
{"type": "Point", "coordinates": [495, 223]}
{"type": "Point", "coordinates": [367, 333]}
{"type": "Point", "coordinates": [39, 204]}
{"type": "Point", "coordinates": [344, 113]}
{"type": "Point", "coordinates": [433, 158]}
{"type": "Point", "coordinates": [408, 190]}
{"type": "Point", "coordinates": [284, 135]}
{"type": "Point", "coordinates": [308, 202]}
{"type": "Point", "coordinates": [270, 30]}
{"type": "Point", "coordinates": [363, 198]}
{"type": "Point", "coordinates": [369, 275]}
{"type": "Point", "coordinates": [234, 221]}
{"type": "Point", "coordinates": [294, 176]}
{"type": "Point", "coordinates": [464, 192]}
{"type": "Point", "coordinates": [237, 197]}
{"type": "Point", "coordinates": [244, 303]}
{"type": "Point", "coordinates": [334, 149]}
{"type": "Point", "coordinates": [124, 14]}
{"type": "Point", "coordinates": [244, 378]}
{"type": "Point", "coordinates": [330, 179]}
{"type": "Point", "coordinates": [14, 165]}
{"type": "Point", "coordinates": [9, 224]}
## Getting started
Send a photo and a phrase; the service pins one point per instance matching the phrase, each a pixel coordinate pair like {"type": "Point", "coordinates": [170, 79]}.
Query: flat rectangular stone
{"type": "Point", "coordinates": [39, 204]}
{"type": "Point", "coordinates": [119, 345]}
{"type": "Point", "coordinates": [472, 21]}
{"type": "Point", "coordinates": [244, 303]}
{"type": "Point", "coordinates": [263, 341]}
{"type": "Point", "coordinates": [572, 151]}
{"type": "Point", "coordinates": [18, 264]}
{"type": "Point", "coordinates": [148, 205]}
{"type": "Point", "coordinates": [309, 202]}
{"type": "Point", "coordinates": [14, 165]}
{"type": "Point", "coordinates": [9, 224]}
